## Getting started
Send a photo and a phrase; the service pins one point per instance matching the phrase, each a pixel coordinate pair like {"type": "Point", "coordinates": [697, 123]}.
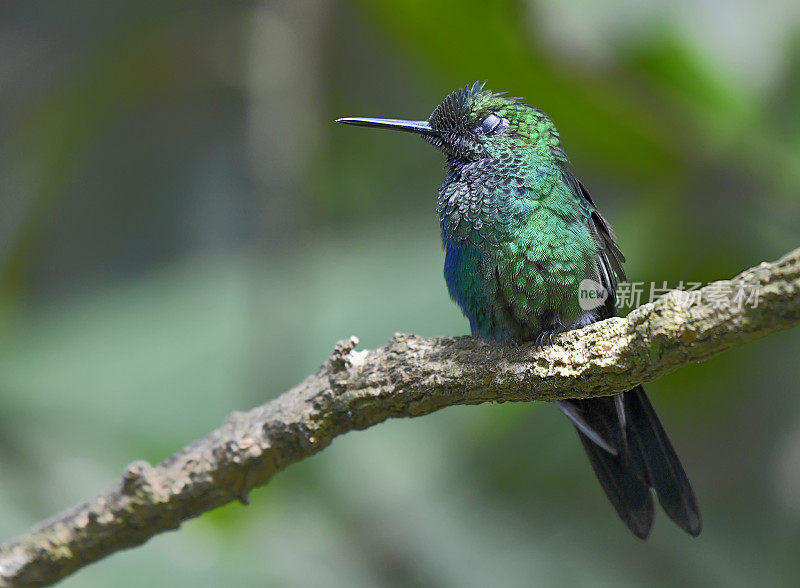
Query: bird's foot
{"type": "Point", "coordinates": [545, 338]}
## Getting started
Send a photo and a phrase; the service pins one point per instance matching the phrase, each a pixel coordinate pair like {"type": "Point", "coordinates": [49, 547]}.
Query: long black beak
{"type": "Point", "coordinates": [421, 127]}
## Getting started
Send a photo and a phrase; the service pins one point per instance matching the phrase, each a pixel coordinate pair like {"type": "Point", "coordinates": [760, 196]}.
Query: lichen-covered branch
{"type": "Point", "coordinates": [410, 376]}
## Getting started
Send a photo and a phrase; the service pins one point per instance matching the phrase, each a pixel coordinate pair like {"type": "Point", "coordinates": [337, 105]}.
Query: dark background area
{"type": "Point", "coordinates": [185, 232]}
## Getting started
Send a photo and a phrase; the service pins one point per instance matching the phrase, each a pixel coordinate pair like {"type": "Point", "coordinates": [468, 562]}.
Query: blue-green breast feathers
{"type": "Point", "coordinates": [518, 243]}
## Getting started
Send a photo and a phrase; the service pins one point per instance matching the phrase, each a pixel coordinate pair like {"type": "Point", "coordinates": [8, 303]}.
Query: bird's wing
{"type": "Point", "coordinates": [609, 257]}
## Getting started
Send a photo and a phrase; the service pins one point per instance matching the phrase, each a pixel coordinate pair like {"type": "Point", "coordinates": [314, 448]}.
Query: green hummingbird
{"type": "Point", "coordinates": [521, 235]}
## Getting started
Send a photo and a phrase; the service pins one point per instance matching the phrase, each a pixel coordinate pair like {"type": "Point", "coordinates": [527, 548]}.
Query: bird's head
{"type": "Point", "coordinates": [472, 123]}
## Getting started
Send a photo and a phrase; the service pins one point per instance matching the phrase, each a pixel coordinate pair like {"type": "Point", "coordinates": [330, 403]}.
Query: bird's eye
{"type": "Point", "coordinates": [492, 124]}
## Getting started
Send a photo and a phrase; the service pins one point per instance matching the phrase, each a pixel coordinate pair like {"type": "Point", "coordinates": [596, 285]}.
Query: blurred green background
{"type": "Point", "coordinates": [184, 232]}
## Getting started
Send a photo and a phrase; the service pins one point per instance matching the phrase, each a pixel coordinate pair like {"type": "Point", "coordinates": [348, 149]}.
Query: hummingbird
{"type": "Point", "coordinates": [521, 237]}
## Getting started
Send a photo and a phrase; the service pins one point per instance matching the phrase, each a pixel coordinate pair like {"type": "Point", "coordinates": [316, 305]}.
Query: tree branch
{"type": "Point", "coordinates": [410, 376]}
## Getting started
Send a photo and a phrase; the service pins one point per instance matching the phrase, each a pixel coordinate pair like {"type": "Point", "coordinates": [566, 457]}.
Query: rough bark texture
{"type": "Point", "coordinates": [409, 376]}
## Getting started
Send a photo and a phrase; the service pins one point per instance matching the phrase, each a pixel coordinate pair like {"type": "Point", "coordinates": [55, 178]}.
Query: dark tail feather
{"type": "Point", "coordinates": [644, 459]}
{"type": "Point", "coordinates": [629, 495]}
{"type": "Point", "coordinates": [666, 472]}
